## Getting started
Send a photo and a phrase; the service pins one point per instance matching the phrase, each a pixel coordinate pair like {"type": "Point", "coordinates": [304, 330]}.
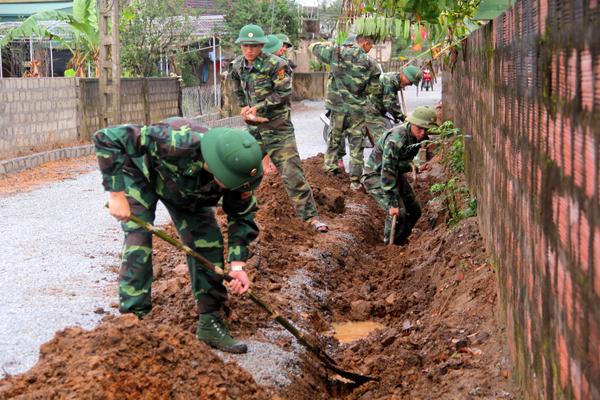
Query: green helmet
{"type": "Point", "coordinates": [412, 73]}
{"type": "Point", "coordinates": [424, 117]}
{"type": "Point", "coordinates": [233, 157]}
{"type": "Point", "coordinates": [251, 34]}
{"type": "Point", "coordinates": [273, 44]}
{"type": "Point", "coordinates": [285, 39]}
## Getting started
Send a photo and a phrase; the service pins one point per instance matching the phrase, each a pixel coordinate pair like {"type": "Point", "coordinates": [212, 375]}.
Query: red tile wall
{"type": "Point", "coordinates": [532, 108]}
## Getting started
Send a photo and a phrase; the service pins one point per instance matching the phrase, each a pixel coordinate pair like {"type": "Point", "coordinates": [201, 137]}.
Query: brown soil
{"type": "Point", "coordinates": [436, 297]}
{"type": "Point", "coordinates": [125, 358]}
{"type": "Point", "coordinates": [49, 172]}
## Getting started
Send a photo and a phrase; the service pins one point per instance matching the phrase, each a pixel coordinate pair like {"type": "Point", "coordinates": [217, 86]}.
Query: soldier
{"type": "Point", "coordinates": [386, 99]}
{"type": "Point", "coordinates": [274, 46]}
{"type": "Point", "coordinates": [354, 75]}
{"type": "Point", "coordinates": [287, 44]}
{"type": "Point", "coordinates": [189, 169]}
{"type": "Point", "coordinates": [384, 172]}
{"type": "Point", "coordinates": [263, 87]}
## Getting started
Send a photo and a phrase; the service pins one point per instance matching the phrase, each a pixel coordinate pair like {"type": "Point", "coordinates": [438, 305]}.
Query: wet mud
{"type": "Point", "coordinates": [434, 298]}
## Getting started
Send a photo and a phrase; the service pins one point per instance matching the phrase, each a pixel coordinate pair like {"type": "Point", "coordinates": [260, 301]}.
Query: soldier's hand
{"type": "Point", "coordinates": [394, 211]}
{"type": "Point", "coordinates": [118, 206]}
{"type": "Point", "coordinates": [251, 111]}
{"type": "Point", "coordinates": [240, 283]}
{"type": "Point", "coordinates": [244, 111]}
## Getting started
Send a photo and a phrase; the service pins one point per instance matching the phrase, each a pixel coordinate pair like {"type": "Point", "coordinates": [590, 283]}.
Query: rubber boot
{"type": "Point", "coordinates": [213, 332]}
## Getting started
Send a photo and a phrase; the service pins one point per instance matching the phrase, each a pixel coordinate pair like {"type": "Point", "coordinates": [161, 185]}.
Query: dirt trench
{"type": "Point", "coordinates": [435, 298]}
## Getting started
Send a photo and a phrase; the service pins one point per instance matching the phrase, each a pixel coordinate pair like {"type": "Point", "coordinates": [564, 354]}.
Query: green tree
{"type": "Point", "coordinates": [274, 16]}
{"type": "Point", "coordinates": [83, 27]}
{"type": "Point", "coordinates": [151, 29]}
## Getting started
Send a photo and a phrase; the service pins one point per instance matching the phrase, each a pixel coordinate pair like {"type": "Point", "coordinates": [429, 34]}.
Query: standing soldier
{"type": "Point", "coordinates": [354, 75]}
{"type": "Point", "coordinates": [287, 44]}
{"type": "Point", "coordinates": [384, 172]}
{"type": "Point", "coordinates": [263, 87]}
{"type": "Point", "coordinates": [189, 169]}
{"type": "Point", "coordinates": [385, 100]}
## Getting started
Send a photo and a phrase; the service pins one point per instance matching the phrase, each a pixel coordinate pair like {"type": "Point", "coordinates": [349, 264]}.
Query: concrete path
{"type": "Point", "coordinates": [59, 251]}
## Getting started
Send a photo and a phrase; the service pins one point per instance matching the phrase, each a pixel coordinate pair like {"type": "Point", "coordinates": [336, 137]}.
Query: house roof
{"type": "Point", "coordinates": [208, 25]}
{"type": "Point", "coordinates": [15, 11]}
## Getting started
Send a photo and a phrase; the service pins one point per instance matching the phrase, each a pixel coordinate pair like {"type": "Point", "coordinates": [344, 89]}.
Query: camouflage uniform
{"type": "Point", "coordinates": [267, 84]}
{"type": "Point", "coordinates": [384, 100]}
{"type": "Point", "coordinates": [384, 179]}
{"type": "Point", "coordinates": [354, 75]}
{"type": "Point", "coordinates": [164, 162]}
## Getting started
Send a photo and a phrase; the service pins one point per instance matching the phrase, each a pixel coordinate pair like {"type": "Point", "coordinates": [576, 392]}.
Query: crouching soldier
{"type": "Point", "coordinates": [189, 168]}
{"type": "Point", "coordinates": [384, 178]}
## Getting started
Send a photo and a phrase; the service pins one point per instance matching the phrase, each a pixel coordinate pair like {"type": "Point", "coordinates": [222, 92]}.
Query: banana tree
{"type": "Point", "coordinates": [84, 38]}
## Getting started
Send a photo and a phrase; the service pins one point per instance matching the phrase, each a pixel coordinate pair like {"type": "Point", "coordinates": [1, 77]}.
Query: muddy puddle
{"type": "Point", "coordinates": [314, 280]}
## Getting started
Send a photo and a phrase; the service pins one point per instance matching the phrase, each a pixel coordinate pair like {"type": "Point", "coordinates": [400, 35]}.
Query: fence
{"type": "Point", "coordinates": [527, 88]}
{"type": "Point", "coordinates": [200, 100]}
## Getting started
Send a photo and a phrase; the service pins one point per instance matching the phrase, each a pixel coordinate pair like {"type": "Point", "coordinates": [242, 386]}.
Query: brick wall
{"type": "Point", "coordinates": [45, 113]}
{"type": "Point", "coordinates": [35, 112]}
{"type": "Point", "coordinates": [527, 88]}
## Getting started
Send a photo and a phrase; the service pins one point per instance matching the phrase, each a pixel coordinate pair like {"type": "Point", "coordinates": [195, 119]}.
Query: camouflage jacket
{"type": "Point", "coordinates": [267, 84]}
{"type": "Point", "coordinates": [354, 76]}
{"type": "Point", "coordinates": [169, 158]}
{"type": "Point", "coordinates": [391, 157]}
{"type": "Point", "coordinates": [292, 64]}
{"type": "Point", "coordinates": [386, 98]}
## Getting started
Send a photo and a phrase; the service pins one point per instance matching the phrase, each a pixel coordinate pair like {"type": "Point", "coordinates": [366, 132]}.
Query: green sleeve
{"type": "Point", "coordinates": [241, 228]}
{"type": "Point", "coordinates": [237, 86]}
{"type": "Point", "coordinates": [389, 173]}
{"type": "Point", "coordinates": [113, 147]}
{"type": "Point", "coordinates": [281, 76]}
{"type": "Point", "coordinates": [323, 53]}
{"type": "Point", "coordinates": [390, 101]}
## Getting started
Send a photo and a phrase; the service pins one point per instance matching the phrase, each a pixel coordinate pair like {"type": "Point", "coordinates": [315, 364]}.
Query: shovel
{"type": "Point", "coordinates": [393, 230]}
{"type": "Point", "coordinates": [327, 361]}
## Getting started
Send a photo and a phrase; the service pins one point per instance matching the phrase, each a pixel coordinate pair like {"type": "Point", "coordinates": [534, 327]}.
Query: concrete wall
{"type": "Point", "coordinates": [310, 85]}
{"type": "Point", "coordinates": [527, 88]}
{"type": "Point", "coordinates": [39, 114]}
{"type": "Point", "coordinates": [143, 101]}
{"type": "Point", "coordinates": [35, 112]}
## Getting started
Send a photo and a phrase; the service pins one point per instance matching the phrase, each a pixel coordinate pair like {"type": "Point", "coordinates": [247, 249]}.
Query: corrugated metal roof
{"type": "Point", "coordinates": [13, 11]}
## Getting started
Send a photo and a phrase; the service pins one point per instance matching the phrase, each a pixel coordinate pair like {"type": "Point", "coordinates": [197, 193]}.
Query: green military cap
{"type": "Point", "coordinates": [350, 40]}
{"type": "Point", "coordinates": [233, 157]}
{"type": "Point", "coordinates": [273, 44]}
{"type": "Point", "coordinates": [424, 117]}
{"type": "Point", "coordinates": [251, 34]}
{"type": "Point", "coordinates": [412, 73]}
{"type": "Point", "coordinates": [285, 39]}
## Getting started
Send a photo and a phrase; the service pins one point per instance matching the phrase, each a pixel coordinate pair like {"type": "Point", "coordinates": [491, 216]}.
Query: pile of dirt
{"type": "Point", "coordinates": [125, 358]}
{"type": "Point", "coordinates": [435, 296]}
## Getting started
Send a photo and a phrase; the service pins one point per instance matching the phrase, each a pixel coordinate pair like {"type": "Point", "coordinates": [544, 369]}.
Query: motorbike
{"type": "Point", "coordinates": [427, 80]}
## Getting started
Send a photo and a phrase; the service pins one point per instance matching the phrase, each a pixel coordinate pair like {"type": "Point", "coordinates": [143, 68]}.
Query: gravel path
{"type": "Point", "coordinates": [57, 245]}
{"type": "Point", "coordinates": [59, 251]}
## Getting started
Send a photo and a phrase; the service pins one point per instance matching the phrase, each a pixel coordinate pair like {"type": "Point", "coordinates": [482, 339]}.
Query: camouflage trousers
{"type": "Point", "coordinates": [375, 125]}
{"type": "Point", "coordinates": [410, 209]}
{"type": "Point", "coordinates": [197, 228]}
{"type": "Point", "coordinates": [277, 139]}
{"type": "Point", "coordinates": [348, 126]}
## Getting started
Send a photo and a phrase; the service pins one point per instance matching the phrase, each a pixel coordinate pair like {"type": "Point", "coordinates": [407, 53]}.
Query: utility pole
{"type": "Point", "coordinates": [109, 81]}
